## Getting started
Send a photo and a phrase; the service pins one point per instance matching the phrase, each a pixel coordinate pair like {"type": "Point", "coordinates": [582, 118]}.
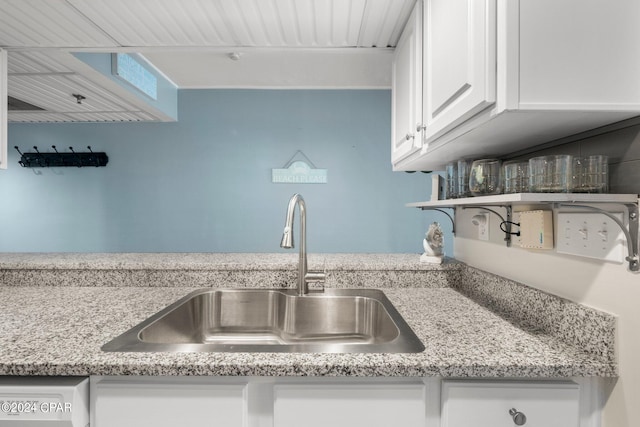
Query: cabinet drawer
{"type": "Point", "coordinates": [345, 405]}
{"type": "Point", "coordinates": [487, 404]}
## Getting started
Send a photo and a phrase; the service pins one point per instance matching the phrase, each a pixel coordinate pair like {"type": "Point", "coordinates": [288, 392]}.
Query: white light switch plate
{"type": "Point", "coordinates": [591, 235]}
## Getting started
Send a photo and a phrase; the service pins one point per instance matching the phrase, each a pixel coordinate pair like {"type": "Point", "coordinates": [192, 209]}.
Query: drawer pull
{"type": "Point", "coordinates": [519, 418]}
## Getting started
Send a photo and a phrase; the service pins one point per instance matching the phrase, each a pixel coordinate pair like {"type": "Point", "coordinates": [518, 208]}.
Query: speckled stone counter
{"type": "Point", "coordinates": [58, 330]}
{"type": "Point", "coordinates": [221, 269]}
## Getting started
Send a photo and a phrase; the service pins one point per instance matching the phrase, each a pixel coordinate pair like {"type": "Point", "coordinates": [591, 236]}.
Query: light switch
{"type": "Point", "coordinates": [591, 235]}
{"type": "Point", "coordinates": [584, 231]}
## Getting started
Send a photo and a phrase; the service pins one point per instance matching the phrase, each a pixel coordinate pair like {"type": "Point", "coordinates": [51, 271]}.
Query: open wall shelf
{"type": "Point", "coordinates": [556, 200]}
{"type": "Point", "coordinates": [528, 199]}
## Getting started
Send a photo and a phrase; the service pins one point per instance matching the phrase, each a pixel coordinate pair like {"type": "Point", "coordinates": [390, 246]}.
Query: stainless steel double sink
{"type": "Point", "coordinates": [272, 320]}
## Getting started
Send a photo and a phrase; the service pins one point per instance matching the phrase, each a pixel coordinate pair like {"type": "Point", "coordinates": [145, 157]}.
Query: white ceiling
{"type": "Point", "coordinates": [205, 23]}
{"type": "Point", "coordinates": [281, 43]}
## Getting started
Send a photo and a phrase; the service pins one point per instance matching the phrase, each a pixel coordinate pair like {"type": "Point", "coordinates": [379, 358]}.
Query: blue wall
{"type": "Point", "coordinates": [203, 184]}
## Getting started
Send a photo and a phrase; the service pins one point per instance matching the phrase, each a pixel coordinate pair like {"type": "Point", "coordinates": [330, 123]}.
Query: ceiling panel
{"type": "Point", "coordinates": [47, 23]}
{"type": "Point", "coordinates": [259, 23]}
{"type": "Point", "coordinates": [34, 62]}
{"type": "Point", "coordinates": [54, 93]}
{"type": "Point", "coordinates": [116, 116]}
{"type": "Point", "coordinates": [273, 16]}
{"type": "Point", "coordinates": [383, 22]}
{"type": "Point", "coordinates": [281, 19]}
{"type": "Point", "coordinates": [245, 25]}
{"type": "Point", "coordinates": [47, 117]}
{"type": "Point", "coordinates": [57, 117]}
{"type": "Point", "coordinates": [158, 22]}
{"type": "Point", "coordinates": [348, 16]}
{"type": "Point", "coordinates": [36, 117]}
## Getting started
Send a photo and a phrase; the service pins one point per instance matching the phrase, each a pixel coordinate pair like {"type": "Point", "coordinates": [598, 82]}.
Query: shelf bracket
{"type": "Point", "coordinates": [631, 234]}
{"type": "Point", "coordinates": [507, 222]}
{"type": "Point", "coordinates": [453, 222]}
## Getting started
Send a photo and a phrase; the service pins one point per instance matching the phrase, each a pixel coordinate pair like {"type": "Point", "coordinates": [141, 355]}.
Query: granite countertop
{"type": "Point", "coordinates": [58, 330]}
{"type": "Point", "coordinates": [217, 261]}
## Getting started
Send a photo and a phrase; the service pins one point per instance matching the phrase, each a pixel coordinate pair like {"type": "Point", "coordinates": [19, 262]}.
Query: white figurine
{"type": "Point", "coordinates": [433, 245]}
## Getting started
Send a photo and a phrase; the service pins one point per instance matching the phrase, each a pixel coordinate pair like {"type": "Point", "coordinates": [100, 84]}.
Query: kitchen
{"type": "Point", "coordinates": [157, 194]}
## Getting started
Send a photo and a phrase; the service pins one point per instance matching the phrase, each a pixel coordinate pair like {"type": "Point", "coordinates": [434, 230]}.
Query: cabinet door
{"type": "Point", "coordinates": [169, 404]}
{"type": "Point", "coordinates": [487, 404]}
{"type": "Point", "coordinates": [460, 61]}
{"type": "Point", "coordinates": [345, 405]}
{"type": "Point", "coordinates": [407, 89]}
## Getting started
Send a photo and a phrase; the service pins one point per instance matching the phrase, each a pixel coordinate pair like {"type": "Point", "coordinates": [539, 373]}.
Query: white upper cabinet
{"type": "Point", "coordinates": [459, 61]}
{"type": "Point", "coordinates": [407, 89]}
{"type": "Point", "coordinates": [501, 76]}
{"type": "Point", "coordinates": [4, 101]}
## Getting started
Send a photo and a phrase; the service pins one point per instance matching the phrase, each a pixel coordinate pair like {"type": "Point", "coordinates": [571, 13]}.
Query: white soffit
{"type": "Point", "coordinates": [46, 117]}
{"type": "Point", "coordinates": [54, 93]}
{"type": "Point", "coordinates": [37, 117]}
{"type": "Point", "coordinates": [258, 68]}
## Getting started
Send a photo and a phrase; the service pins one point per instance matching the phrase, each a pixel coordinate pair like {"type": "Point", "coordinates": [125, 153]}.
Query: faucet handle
{"type": "Point", "coordinates": [315, 277]}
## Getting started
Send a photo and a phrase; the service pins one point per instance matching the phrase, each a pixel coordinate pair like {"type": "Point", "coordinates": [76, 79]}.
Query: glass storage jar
{"type": "Point", "coordinates": [591, 174]}
{"type": "Point", "coordinates": [516, 177]}
{"type": "Point", "coordinates": [551, 174]}
{"type": "Point", "coordinates": [486, 177]}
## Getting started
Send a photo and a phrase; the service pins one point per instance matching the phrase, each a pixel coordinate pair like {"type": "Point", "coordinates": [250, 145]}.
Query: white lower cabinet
{"type": "Point", "coordinates": [496, 404]}
{"type": "Point", "coordinates": [344, 405]}
{"type": "Point", "coordinates": [126, 401]}
{"type": "Point", "coordinates": [168, 402]}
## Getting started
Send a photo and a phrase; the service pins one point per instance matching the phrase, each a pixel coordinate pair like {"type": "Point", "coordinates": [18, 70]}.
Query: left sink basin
{"type": "Point", "coordinates": [271, 320]}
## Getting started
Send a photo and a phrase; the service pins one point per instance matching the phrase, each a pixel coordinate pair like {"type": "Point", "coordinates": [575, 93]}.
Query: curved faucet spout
{"type": "Point", "coordinates": [287, 234]}
{"type": "Point", "coordinates": [304, 276]}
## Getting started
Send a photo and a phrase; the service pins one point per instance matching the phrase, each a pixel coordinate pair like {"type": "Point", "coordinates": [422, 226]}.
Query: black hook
{"type": "Point", "coordinates": [55, 149]}
{"type": "Point", "coordinates": [41, 160]}
{"type": "Point", "coordinates": [77, 158]}
{"type": "Point", "coordinates": [92, 158]}
{"type": "Point", "coordinates": [20, 162]}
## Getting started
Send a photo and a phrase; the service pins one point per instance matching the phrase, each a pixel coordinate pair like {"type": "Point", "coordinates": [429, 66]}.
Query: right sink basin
{"type": "Point", "coordinates": [270, 320]}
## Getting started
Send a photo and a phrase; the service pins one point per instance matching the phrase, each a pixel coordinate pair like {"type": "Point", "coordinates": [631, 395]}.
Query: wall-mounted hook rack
{"type": "Point", "coordinates": [39, 159]}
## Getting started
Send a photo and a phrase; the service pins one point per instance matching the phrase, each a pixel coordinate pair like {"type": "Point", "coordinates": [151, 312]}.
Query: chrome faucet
{"type": "Point", "coordinates": [304, 276]}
